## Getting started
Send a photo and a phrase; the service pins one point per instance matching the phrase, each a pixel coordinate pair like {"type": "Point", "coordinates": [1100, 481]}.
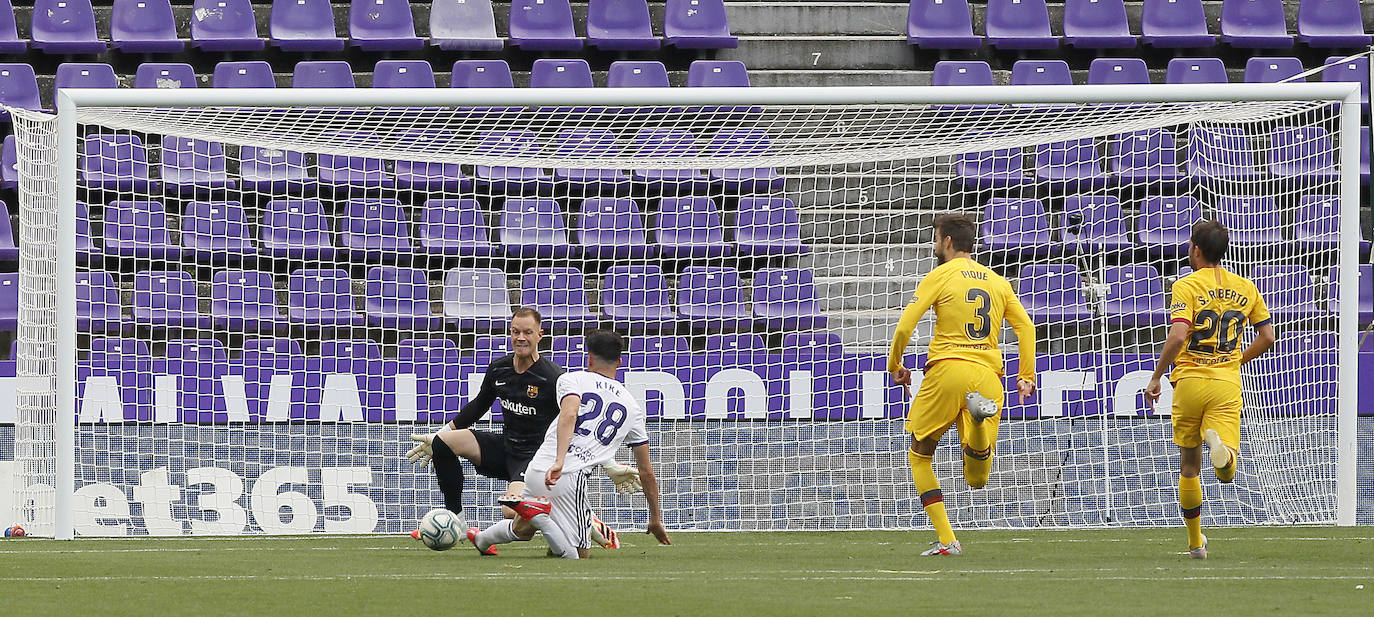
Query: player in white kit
{"type": "Point", "coordinates": [596, 415]}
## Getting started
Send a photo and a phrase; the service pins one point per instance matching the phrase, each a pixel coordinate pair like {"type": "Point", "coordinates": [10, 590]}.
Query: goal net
{"type": "Point", "coordinates": [270, 298]}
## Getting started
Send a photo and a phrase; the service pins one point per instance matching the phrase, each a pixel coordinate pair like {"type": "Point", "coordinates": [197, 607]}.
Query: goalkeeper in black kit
{"type": "Point", "coordinates": [524, 384]}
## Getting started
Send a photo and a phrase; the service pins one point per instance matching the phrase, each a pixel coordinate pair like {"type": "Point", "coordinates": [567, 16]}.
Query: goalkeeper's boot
{"type": "Point", "coordinates": [415, 533]}
{"type": "Point", "coordinates": [489, 551]}
{"type": "Point", "coordinates": [531, 508]}
{"type": "Point", "coordinates": [603, 535]}
{"type": "Point", "coordinates": [944, 550]}
{"type": "Point", "coordinates": [980, 407]}
{"type": "Point", "coordinates": [1199, 552]}
{"type": "Point", "coordinates": [1221, 455]}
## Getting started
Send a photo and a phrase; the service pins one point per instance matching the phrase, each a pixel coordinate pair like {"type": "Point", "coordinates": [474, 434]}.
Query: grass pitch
{"type": "Point", "coordinates": [1301, 571]}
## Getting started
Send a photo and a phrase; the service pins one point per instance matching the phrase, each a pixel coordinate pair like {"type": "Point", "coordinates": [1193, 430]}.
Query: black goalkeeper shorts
{"type": "Point", "coordinates": [497, 462]}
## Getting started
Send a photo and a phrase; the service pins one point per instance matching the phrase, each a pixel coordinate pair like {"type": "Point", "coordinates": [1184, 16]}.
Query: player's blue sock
{"type": "Point", "coordinates": [558, 543]}
{"type": "Point", "coordinates": [449, 472]}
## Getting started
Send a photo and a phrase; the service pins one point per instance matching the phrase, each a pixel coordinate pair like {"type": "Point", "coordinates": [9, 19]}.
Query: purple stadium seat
{"type": "Point", "coordinates": [322, 74]}
{"type": "Point", "coordinates": [712, 298]}
{"type": "Point", "coordinates": [476, 298]}
{"type": "Point", "coordinates": [1016, 227]}
{"type": "Point", "coordinates": [506, 179]}
{"type": "Point", "coordinates": [717, 74]}
{"type": "Point", "coordinates": [1365, 309]}
{"type": "Point", "coordinates": [421, 176]}
{"type": "Point", "coordinates": [402, 74]}
{"type": "Point", "coordinates": [115, 163]}
{"type": "Point", "coordinates": [115, 349]}
{"type": "Point", "coordinates": [534, 228]}
{"type": "Point", "coordinates": [737, 342]}
{"type": "Point", "coordinates": [268, 170]}
{"type": "Point", "coordinates": [811, 347]}
{"type": "Point", "coordinates": [941, 24]}
{"type": "Point", "coordinates": [244, 300]}
{"type": "Point", "coordinates": [1289, 293]}
{"type": "Point", "coordinates": [962, 73]}
{"type": "Point", "coordinates": [167, 299]}
{"type": "Point", "coordinates": [546, 73]}
{"type": "Point", "coordinates": [1302, 152]}
{"type": "Point", "coordinates": [990, 169]}
{"type": "Point", "coordinates": [374, 230]}
{"type": "Point", "coordinates": [785, 298]}
{"type": "Point", "coordinates": [768, 226]}
{"type": "Point", "coordinates": [9, 164]}
{"type": "Point", "coordinates": [1041, 73]}
{"type": "Point", "coordinates": [1019, 24]}
{"type": "Point", "coordinates": [743, 143]}
{"type": "Point", "coordinates": [82, 75]}
{"type": "Point", "coordinates": [1221, 154]}
{"type": "Point", "coordinates": [144, 26]}
{"type": "Point", "coordinates": [344, 172]}
{"type": "Point", "coordinates": [65, 27]}
{"type": "Point", "coordinates": [296, 228]}
{"type": "Point", "coordinates": [1093, 224]}
{"type": "Point", "coordinates": [481, 74]}
{"type": "Point", "coordinates": [1053, 294]}
{"type": "Point", "coordinates": [1196, 70]}
{"type": "Point", "coordinates": [216, 231]}
{"type": "Point", "coordinates": [454, 227]}
{"type": "Point", "coordinates": [588, 142]}
{"type": "Point", "coordinates": [270, 351]}
{"type": "Point", "coordinates": [250, 74]}
{"type": "Point", "coordinates": [1175, 24]}
{"type": "Point", "coordinates": [349, 355]}
{"type": "Point", "coordinates": [559, 294]}
{"type": "Point", "coordinates": [697, 24]}
{"type": "Point", "coordinates": [690, 228]}
{"type": "Point", "coordinates": [225, 25]}
{"type": "Point", "coordinates": [636, 298]}
{"type": "Point", "coordinates": [1164, 223]}
{"type": "Point", "coordinates": [493, 346]}
{"type": "Point", "coordinates": [658, 344]}
{"type": "Point", "coordinates": [620, 25]}
{"type": "Point", "coordinates": [18, 88]}
{"type": "Point", "coordinates": [1104, 71]}
{"type": "Point", "coordinates": [137, 229]}
{"type": "Point", "coordinates": [1317, 223]}
{"type": "Point", "coordinates": [612, 228]}
{"type": "Point", "coordinates": [1272, 70]}
{"type": "Point", "coordinates": [382, 25]}
{"type": "Point", "coordinates": [1331, 23]}
{"type": "Point", "coordinates": [1251, 220]}
{"type": "Point", "coordinates": [1254, 24]}
{"type": "Point", "coordinates": [192, 166]}
{"type": "Point", "coordinates": [86, 247]}
{"type": "Point", "coordinates": [543, 25]}
{"type": "Point", "coordinates": [463, 25]}
{"type": "Point", "coordinates": [1070, 165]}
{"type": "Point", "coordinates": [426, 350]}
{"type": "Point", "coordinates": [637, 74]}
{"type": "Point", "coordinates": [399, 298]}
{"type": "Point", "coordinates": [321, 298]}
{"type": "Point", "coordinates": [567, 350]}
{"type": "Point", "coordinates": [9, 251]}
{"type": "Point", "coordinates": [303, 25]}
{"type": "Point", "coordinates": [1356, 70]}
{"type": "Point", "coordinates": [10, 43]}
{"type": "Point", "coordinates": [1097, 24]}
{"type": "Point", "coordinates": [97, 302]}
{"type": "Point", "coordinates": [206, 350]}
{"type": "Point", "coordinates": [1134, 296]}
{"type": "Point", "coordinates": [165, 75]}
{"type": "Point", "coordinates": [1144, 157]}
{"type": "Point", "coordinates": [668, 143]}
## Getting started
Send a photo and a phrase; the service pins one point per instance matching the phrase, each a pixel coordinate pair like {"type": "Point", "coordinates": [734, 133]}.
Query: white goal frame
{"type": "Point", "coordinates": [70, 102]}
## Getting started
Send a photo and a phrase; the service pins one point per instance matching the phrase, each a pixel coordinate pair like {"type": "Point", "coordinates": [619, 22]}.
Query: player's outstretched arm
{"type": "Point", "coordinates": [646, 477]}
{"type": "Point", "coordinates": [1024, 329]}
{"type": "Point", "coordinates": [1178, 335]}
{"type": "Point", "coordinates": [475, 408]}
{"type": "Point", "coordinates": [567, 422]}
{"type": "Point", "coordinates": [920, 303]}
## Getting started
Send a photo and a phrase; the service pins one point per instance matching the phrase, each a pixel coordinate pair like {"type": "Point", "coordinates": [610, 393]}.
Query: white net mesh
{"type": "Point", "coordinates": [272, 300]}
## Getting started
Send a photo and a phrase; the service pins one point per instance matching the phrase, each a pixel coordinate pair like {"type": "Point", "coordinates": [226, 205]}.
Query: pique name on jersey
{"type": "Point", "coordinates": [516, 408]}
{"type": "Point", "coordinates": [1222, 293]}
{"type": "Point", "coordinates": [974, 274]}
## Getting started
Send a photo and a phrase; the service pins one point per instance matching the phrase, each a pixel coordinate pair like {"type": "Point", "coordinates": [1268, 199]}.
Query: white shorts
{"type": "Point", "coordinates": [570, 511]}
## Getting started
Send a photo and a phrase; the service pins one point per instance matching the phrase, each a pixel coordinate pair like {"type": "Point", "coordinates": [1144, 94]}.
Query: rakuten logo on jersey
{"type": "Point", "coordinates": [518, 409]}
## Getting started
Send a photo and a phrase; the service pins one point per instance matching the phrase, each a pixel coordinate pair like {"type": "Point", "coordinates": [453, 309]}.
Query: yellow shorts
{"type": "Point", "coordinates": [940, 401]}
{"type": "Point", "coordinates": [1200, 404]}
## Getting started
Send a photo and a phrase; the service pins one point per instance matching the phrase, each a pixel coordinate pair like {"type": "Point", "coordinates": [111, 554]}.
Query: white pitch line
{"type": "Point", "coordinates": [656, 578]}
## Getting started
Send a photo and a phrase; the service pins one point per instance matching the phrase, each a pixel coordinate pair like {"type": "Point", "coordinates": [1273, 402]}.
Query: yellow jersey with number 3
{"type": "Point", "coordinates": [1216, 304]}
{"type": "Point", "coordinates": [970, 303]}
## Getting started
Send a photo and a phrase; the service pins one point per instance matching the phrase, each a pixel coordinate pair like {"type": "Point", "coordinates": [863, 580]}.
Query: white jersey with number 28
{"type": "Point", "coordinates": [608, 416]}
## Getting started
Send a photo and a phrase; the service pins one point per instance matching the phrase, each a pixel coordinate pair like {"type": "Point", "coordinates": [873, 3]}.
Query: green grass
{"type": "Point", "coordinates": [1304, 571]}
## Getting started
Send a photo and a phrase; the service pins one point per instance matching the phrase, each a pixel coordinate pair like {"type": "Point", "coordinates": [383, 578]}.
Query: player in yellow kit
{"type": "Point", "coordinates": [1210, 308]}
{"type": "Point", "coordinates": [963, 372]}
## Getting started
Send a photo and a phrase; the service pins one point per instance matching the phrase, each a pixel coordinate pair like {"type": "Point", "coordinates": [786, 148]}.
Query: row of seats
{"type": "Point", "coordinates": [149, 26]}
{"type": "Point", "coordinates": [380, 230]}
{"type": "Point", "coordinates": [19, 83]}
{"type": "Point", "coordinates": [1102, 24]}
{"type": "Point", "coordinates": [632, 297]}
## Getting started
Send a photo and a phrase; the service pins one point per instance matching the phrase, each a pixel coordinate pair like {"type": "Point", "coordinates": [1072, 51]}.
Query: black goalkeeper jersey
{"type": "Point", "coordinates": [529, 402]}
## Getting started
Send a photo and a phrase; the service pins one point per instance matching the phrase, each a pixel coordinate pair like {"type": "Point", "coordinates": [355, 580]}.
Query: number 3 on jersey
{"type": "Point", "coordinates": [614, 417]}
{"type": "Point", "coordinates": [982, 327]}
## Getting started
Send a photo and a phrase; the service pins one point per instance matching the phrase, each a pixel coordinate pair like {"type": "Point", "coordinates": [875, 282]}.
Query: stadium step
{"type": "Point", "coordinates": [843, 293]}
{"type": "Point", "coordinates": [867, 260]}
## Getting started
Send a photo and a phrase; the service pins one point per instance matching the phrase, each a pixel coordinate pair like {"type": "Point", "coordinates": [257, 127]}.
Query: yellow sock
{"type": "Point", "coordinates": [978, 439]}
{"type": "Point", "coordinates": [1190, 501]}
{"type": "Point", "coordinates": [929, 488]}
{"type": "Point", "coordinates": [1228, 473]}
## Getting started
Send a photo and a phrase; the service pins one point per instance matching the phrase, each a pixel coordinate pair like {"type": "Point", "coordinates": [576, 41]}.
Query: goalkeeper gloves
{"type": "Point", "coordinates": [625, 477]}
{"type": "Point", "coordinates": [423, 452]}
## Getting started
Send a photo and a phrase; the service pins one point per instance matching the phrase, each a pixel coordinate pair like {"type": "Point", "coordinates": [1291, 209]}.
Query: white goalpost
{"type": "Point", "coordinates": [236, 305]}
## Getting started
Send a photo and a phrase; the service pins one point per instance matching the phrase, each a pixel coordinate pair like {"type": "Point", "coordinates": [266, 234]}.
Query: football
{"type": "Point", "coordinates": [14, 532]}
{"type": "Point", "coordinates": [440, 529]}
